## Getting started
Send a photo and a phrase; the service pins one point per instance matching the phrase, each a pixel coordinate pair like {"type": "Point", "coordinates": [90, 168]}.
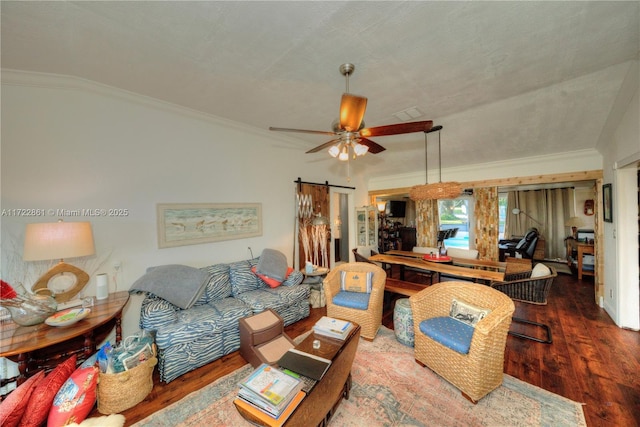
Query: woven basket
{"type": "Point", "coordinates": [121, 391]}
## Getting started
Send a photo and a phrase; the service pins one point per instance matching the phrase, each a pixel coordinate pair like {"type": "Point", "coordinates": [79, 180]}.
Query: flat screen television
{"type": "Point", "coordinates": [397, 208]}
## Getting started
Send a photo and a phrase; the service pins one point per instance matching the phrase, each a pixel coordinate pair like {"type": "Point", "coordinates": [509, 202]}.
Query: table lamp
{"type": "Point", "coordinates": [59, 240]}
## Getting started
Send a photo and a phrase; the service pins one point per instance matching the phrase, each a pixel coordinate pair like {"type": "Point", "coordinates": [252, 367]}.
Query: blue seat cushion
{"type": "Point", "coordinates": [357, 300]}
{"type": "Point", "coordinates": [449, 332]}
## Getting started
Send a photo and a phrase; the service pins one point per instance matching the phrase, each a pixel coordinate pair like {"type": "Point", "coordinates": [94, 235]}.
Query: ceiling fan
{"type": "Point", "coordinates": [349, 132]}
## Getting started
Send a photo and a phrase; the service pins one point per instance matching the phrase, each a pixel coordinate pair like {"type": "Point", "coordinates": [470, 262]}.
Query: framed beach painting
{"type": "Point", "coordinates": [607, 203]}
{"type": "Point", "coordinates": [181, 224]}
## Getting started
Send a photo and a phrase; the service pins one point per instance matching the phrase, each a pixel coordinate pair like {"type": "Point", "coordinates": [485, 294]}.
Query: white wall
{"type": "Point", "coordinates": [621, 160]}
{"type": "Point", "coordinates": [71, 144]}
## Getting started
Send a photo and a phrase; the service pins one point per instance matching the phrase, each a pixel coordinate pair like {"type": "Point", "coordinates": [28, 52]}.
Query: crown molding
{"type": "Point", "coordinates": [11, 77]}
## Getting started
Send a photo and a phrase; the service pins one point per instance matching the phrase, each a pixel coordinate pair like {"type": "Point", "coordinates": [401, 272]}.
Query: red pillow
{"type": "Point", "coordinates": [12, 408]}
{"type": "Point", "coordinates": [273, 283]}
{"type": "Point", "coordinates": [75, 399]}
{"type": "Point", "coordinates": [42, 397]}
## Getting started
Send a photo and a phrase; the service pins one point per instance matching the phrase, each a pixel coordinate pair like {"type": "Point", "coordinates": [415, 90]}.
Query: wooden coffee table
{"type": "Point", "coordinates": [323, 399]}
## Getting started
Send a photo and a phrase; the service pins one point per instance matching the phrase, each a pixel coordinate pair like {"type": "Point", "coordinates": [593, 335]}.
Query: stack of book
{"type": "Point", "coordinates": [270, 394]}
{"type": "Point", "coordinates": [334, 328]}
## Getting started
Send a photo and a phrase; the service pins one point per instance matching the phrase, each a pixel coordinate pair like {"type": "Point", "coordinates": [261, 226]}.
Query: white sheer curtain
{"type": "Point", "coordinates": [546, 210]}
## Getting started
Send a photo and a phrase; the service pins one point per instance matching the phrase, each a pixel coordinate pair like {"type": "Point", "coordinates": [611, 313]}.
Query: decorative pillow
{"type": "Point", "coordinates": [181, 285]}
{"type": "Point", "coordinates": [273, 283]}
{"type": "Point", "coordinates": [467, 313]}
{"type": "Point", "coordinates": [75, 399]}
{"type": "Point", "coordinates": [295, 278]}
{"type": "Point", "coordinates": [463, 253]}
{"type": "Point", "coordinates": [42, 397]}
{"type": "Point", "coordinates": [242, 279]}
{"type": "Point", "coordinates": [425, 250]}
{"type": "Point", "coordinates": [12, 408]}
{"type": "Point", "coordinates": [356, 281]}
{"type": "Point", "coordinates": [273, 264]}
{"type": "Point", "coordinates": [540, 270]}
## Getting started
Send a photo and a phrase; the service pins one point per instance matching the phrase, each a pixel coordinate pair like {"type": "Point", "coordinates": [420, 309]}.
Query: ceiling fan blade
{"type": "Point", "coordinates": [321, 132]}
{"type": "Point", "coordinates": [400, 128]}
{"type": "Point", "coordinates": [323, 146]}
{"type": "Point", "coordinates": [352, 108]}
{"type": "Point", "coordinates": [374, 148]}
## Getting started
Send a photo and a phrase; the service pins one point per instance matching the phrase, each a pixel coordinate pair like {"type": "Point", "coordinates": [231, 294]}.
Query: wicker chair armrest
{"type": "Point", "coordinates": [533, 290]}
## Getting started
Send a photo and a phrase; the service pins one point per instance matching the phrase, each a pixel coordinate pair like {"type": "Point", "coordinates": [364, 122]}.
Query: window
{"type": "Point", "coordinates": [502, 214]}
{"type": "Point", "coordinates": [457, 213]}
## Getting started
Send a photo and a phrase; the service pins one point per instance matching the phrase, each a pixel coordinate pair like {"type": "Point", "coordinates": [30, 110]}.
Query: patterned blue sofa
{"type": "Point", "coordinates": [188, 339]}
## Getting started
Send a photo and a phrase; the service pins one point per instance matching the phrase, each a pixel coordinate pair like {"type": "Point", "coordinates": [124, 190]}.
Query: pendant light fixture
{"type": "Point", "coordinates": [439, 190]}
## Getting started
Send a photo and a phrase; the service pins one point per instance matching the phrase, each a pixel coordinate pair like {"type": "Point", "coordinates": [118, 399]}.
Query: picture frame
{"type": "Point", "coordinates": [607, 203]}
{"type": "Point", "coordinates": [181, 224]}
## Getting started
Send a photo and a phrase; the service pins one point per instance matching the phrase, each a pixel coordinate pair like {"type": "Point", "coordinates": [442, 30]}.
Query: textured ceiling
{"type": "Point", "coordinates": [505, 79]}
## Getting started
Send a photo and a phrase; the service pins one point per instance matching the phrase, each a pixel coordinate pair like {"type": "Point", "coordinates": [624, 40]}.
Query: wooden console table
{"type": "Point", "coordinates": [43, 346]}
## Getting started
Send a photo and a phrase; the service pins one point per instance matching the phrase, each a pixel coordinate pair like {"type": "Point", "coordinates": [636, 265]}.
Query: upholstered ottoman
{"type": "Point", "coordinates": [262, 338]}
{"type": "Point", "coordinates": [403, 322]}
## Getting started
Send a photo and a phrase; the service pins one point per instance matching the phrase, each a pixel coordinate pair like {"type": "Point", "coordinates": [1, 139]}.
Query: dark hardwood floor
{"type": "Point", "coordinates": [590, 360]}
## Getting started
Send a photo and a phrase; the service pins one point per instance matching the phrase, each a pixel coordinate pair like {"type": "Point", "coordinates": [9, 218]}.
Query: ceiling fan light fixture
{"type": "Point", "coordinates": [334, 150]}
{"type": "Point", "coordinates": [360, 149]}
{"type": "Point", "coordinates": [344, 154]}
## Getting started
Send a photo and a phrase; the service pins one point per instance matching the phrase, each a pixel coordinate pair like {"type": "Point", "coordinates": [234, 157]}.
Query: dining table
{"type": "Point", "coordinates": [463, 262]}
{"type": "Point", "coordinates": [476, 274]}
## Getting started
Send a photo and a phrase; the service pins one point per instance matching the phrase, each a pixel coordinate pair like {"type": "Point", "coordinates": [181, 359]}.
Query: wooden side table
{"type": "Point", "coordinates": [43, 346]}
{"type": "Point", "coordinates": [584, 249]}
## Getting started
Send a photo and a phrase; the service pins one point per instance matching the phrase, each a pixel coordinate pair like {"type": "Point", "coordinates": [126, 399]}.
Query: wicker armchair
{"type": "Point", "coordinates": [532, 290]}
{"type": "Point", "coordinates": [480, 371]}
{"type": "Point", "coordinates": [369, 319]}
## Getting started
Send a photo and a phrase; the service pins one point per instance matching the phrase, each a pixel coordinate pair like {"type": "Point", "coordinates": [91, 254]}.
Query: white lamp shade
{"type": "Point", "coordinates": [334, 151]}
{"type": "Point", "coordinates": [58, 240]}
{"type": "Point", "coordinates": [575, 221]}
{"type": "Point", "coordinates": [360, 149]}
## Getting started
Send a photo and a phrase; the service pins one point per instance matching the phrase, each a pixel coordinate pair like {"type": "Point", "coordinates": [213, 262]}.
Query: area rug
{"type": "Point", "coordinates": [390, 389]}
{"type": "Point", "coordinates": [560, 266]}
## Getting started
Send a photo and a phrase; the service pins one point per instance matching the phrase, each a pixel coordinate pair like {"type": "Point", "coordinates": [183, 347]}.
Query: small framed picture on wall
{"type": "Point", "coordinates": [607, 203]}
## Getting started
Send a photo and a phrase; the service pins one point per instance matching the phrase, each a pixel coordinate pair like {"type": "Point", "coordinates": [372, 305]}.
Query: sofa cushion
{"type": "Point", "coordinates": [156, 313]}
{"type": "Point", "coordinates": [277, 299]}
{"type": "Point", "coordinates": [219, 285]}
{"type": "Point", "coordinates": [273, 264]}
{"type": "Point", "coordinates": [357, 300]}
{"type": "Point", "coordinates": [213, 318]}
{"type": "Point", "coordinates": [242, 278]}
{"type": "Point", "coordinates": [449, 332]}
{"type": "Point", "coordinates": [295, 278]}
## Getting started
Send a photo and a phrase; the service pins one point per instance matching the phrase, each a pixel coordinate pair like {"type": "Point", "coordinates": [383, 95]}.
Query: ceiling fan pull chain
{"type": "Point", "coordinates": [426, 161]}
{"type": "Point", "coordinates": [439, 159]}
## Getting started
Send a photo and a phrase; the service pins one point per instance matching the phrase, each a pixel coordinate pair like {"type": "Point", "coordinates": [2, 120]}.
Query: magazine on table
{"type": "Point", "coordinates": [267, 418]}
{"type": "Point", "coordinates": [270, 385]}
{"type": "Point", "coordinates": [334, 328]}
